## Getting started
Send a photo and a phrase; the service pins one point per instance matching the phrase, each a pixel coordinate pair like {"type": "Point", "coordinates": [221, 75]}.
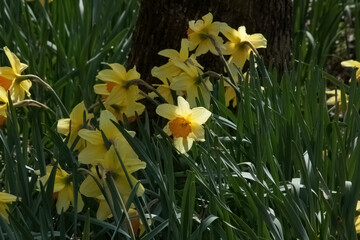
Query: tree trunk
{"type": "Point", "coordinates": [163, 23]}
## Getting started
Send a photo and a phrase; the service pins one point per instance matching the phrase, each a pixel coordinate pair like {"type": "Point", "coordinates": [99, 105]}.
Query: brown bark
{"type": "Point", "coordinates": [162, 24]}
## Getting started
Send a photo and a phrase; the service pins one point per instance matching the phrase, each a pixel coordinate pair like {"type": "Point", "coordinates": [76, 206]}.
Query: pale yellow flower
{"type": "Point", "coordinates": [119, 95]}
{"type": "Point", "coordinates": [119, 105]}
{"type": "Point", "coordinates": [90, 188]}
{"type": "Point", "coordinates": [185, 125]}
{"type": "Point", "coordinates": [71, 126]}
{"type": "Point", "coordinates": [166, 73]}
{"type": "Point", "coordinates": [5, 199]}
{"type": "Point", "coordinates": [190, 81]}
{"type": "Point", "coordinates": [241, 44]}
{"type": "Point", "coordinates": [9, 77]}
{"type": "Point", "coordinates": [63, 189]}
{"type": "Point", "coordinates": [199, 33]}
{"type": "Point", "coordinates": [103, 142]}
{"type": "Point", "coordinates": [353, 64]}
{"type": "Point", "coordinates": [116, 76]}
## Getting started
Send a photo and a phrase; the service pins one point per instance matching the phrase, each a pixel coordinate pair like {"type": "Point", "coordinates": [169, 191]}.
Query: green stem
{"type": "Point", "coordinates": [37, 79]}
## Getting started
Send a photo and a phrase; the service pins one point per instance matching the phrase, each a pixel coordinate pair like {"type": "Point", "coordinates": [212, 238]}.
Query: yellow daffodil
{"type": "Point", "coordinates": [185, 125]}
{"type": "Point", "coordinates": [119, 94]}
{"type": "Point", "coordinates": [5, 199]}
{"type": "Point", "coordinates": [119, 105]}
{"type": "Point", "coordinates": [241, 44]}
{"type": "Point", "coordinates": [173, 68]}
{"type": "Point", "coordinates": [190, 81]}
{"type": "Point", "coordinates": [353, 64]}
{"type": "Point", "coordinates": [105, 141]}
{"type": "Point", "coordinates": [63, 189]}
{"type": "Point", "coordinates": [9, 77]}
{"type": "Point", "coordinates": [90, 188]}
{"type": "Point", "coordinates": [199, 33]}
{"type": "Point", "coordinates": [3, 105]}
{"type": "Point", "coordinates": [117, 76]}
{"type": "Point", "coordinates": [71, 126]}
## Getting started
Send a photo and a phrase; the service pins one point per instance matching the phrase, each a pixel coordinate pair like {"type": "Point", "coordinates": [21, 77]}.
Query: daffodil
{"type": "Point", "coordinates": [173, 68]}
{"type": "Point", "coordinates": [117, 76]}
{"type": "Point", "coordinates": [10, 77]}
{"type": "Point", "coordinates": [5, 199]}
{"type": "Point", "coordinates": [353, 64]}
{"type": "Point", "coordinates": [63, 189]}
{"type": "Point", "coordinates": [241, 44]}
{"type": "Point", "coordinates": [185, 125]}
{"type": "Point", "coordinates": [70, 127]}
{"type": "Point", "coordinates": [3, 105]}
{"type": "Point", "coordinates": [201, 32]}
{"type": "Point", "coordinates": [190, 81]}
{"type": "Point", "coordinates": [120, 105]}
{"type": "Point", "coordinates": [90, 188]}
{"type": "Point", "coordinates": [105, 141]}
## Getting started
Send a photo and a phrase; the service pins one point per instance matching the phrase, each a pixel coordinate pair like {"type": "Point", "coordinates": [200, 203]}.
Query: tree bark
{"type": "Point", "coordinates": [163, 23]}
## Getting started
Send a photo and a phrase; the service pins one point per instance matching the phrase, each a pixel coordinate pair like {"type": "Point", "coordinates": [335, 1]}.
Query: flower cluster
{"type": "Point", "coordinates": [106, 153]}
{"type": "Point", "coordinates": [185, 76]}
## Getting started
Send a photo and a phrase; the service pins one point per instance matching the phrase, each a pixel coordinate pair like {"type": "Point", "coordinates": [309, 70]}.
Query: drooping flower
{"type": "Point", "coordinates": [241, 44]}
{"type": "Point", "coordinates": [3, 105]}
{"type": "Point", "coordinates": [121, 106]}
{"type": "Point", "coordinates": [63, 189]}
{"type": "Point", "coordinates": [185, 125]}
{"type": "Point", "coordinates": [9, 77]}
{"type": "Point", "coordinates": [200, 32]}
{"type": "Point", "coordinates": [353, 64]}
{"type": "Point", "coordinates": [5, 199]}
{"type": "Point", "coordinates": [70, 127]}
{"type": "Point", "coordinates": [99, 173]}
{"type": "Point", "coordinates": [190, 81]}
{"type": "Point", "coordinates": [104, 141]}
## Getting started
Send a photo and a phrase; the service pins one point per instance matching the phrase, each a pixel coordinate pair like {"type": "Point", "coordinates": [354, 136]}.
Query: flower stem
{"type": "Point", "coordinates": [37, 79]}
